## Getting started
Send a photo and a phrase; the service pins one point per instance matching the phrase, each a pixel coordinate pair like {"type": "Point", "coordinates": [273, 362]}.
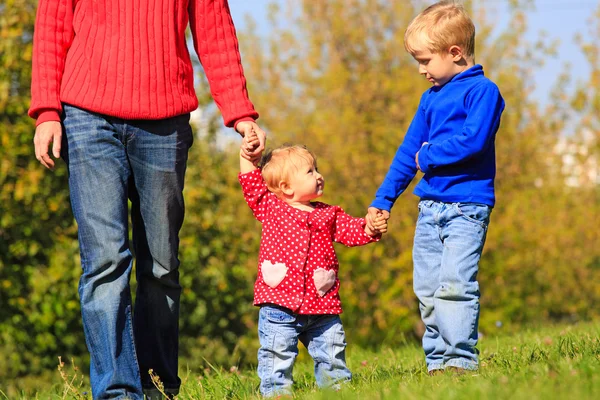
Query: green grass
{"type": "Point", "coordinates": [549, 363]}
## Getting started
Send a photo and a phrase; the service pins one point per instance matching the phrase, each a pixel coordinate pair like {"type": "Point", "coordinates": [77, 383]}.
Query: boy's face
{"type": "Point", "coordinates": [438, 68]}
{"type": "Point", "coordinates": [306, 182]}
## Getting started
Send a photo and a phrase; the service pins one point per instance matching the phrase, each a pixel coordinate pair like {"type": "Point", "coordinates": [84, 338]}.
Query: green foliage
{"type": "Point", "coordinates": [218, 254]}
{"type": "Point", "coordinates": [38, 249]}
{"type": "Point", "coordinates": [334, 76]}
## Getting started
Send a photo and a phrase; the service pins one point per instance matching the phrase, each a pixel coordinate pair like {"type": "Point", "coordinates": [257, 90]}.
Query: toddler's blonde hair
{"type": "Point", "coordinates": [440, 26]}
{"type": "Point", "coordinates": [278, 164]}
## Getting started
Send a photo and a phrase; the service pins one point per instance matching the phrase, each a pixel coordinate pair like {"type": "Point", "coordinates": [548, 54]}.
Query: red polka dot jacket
{"type": "Point", "coordinates": [297, 266]}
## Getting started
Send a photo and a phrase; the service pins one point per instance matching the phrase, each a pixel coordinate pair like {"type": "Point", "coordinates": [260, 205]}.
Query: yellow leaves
{"type": "Point", "coordinates": [28, 184]}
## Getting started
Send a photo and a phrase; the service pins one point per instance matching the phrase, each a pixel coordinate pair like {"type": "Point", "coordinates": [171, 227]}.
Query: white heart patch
{"type": "Point", "coordinates": [273, 274]}
{"type": "Point", "coordinates": [324, 280]}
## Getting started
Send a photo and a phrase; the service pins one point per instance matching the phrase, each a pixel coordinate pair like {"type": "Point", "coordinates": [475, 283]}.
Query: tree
{"type": "Point", "coordinates": [38, 248]}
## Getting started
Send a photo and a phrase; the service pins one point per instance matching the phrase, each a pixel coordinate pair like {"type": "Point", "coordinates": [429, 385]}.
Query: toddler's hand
{"type": "Point", "coordinates": [380, 223]}
{"type": "Point", "coordinates": [376, 221]}
{"type": "Point", "coordinates": [370, 231]}
{"type": "Point", "coordinates": [250, 143]}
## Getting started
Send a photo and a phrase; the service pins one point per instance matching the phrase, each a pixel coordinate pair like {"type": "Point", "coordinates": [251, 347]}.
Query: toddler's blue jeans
{"type": "Point", "coordinates": [448, 242]}
{"type": "Point", "coordinates": [279, 330]}
{"type": "Point", "coordinates": [110, 160]}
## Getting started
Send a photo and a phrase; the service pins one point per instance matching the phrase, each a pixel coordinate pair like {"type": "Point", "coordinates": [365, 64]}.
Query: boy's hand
{"type": "Point", "coordinates": [380, 223]}
{"type": "Point", "coordinates": [417, 157]}
{"type": "Point", "coordinates": [376, 221]}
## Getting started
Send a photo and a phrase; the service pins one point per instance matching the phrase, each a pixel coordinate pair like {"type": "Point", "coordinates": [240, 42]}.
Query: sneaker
{"type": "Point", "coordinates": [435, 372]}
{"type": "Point", "coordinates": [457, 370]}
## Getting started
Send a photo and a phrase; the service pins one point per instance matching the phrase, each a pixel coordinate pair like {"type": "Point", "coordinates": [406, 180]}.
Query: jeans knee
{"type": "Point", "coordinates": [457, 291]}
{"type": "Point", "coordinates": [166, 274]}
{"type": "Point", "coordinates": [105, 276]}
{"type": "Point", "coordinates": [158, 262]}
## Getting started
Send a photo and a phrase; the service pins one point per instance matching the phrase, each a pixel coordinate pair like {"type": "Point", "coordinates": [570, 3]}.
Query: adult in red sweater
{"type": "Point", "coordinates": [112, 90]}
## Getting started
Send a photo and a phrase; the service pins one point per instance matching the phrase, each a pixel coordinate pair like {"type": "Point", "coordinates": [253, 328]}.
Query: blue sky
{"type": "Point", "coordinates": [560, 19]}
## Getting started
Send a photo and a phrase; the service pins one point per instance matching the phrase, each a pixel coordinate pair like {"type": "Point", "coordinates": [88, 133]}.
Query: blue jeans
{"type": "Point", "coordinates": [110, 160]}
{"type": "Point", "coordinates": [279, 330]}
{"type": "Point", "coordinates": [448, 242]}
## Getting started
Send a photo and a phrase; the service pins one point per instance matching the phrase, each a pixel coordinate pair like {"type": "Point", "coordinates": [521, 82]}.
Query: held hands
{"type": "Point", "coordinates": [46, 133]}
{"type": "Point", "coordinates": [253, 142]}
{"type": "Point", "coordinates": [250, 151]}
{"type": "Point", "coordinates": [376, 221]}
{"type": "Point", "coordinates": [250, 143]}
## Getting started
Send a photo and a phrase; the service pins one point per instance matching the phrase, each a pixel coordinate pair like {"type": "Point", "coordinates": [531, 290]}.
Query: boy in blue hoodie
{"type": "Point", "coordinates": [451, 140]}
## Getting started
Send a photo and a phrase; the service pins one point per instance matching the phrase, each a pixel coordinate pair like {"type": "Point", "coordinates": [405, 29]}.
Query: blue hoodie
{"type": "Point", "coordinates": [458, 121]}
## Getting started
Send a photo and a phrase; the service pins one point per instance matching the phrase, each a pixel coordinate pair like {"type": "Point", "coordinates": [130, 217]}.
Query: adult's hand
{"type": "Point", "coordinates": [250, 128]}
{"type": "Point", "coordinates": [46, 133]}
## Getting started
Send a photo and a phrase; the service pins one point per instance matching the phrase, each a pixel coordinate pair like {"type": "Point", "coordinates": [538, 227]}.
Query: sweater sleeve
{"type": "Point", "coordinates": [403, 168]}
{"type": "Point", "coordinates": [53, 35]}
{"type": "Point", "coordinates": [256, 193]}
{"type": "Point", "coordinates": [216, 44]}
{"type": "Point", "coordinates": [484, 108]}
{"type": "Point", "coordinates": [350, 231]}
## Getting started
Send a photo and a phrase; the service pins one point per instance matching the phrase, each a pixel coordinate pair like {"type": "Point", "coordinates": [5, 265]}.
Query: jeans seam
{"type": "Point", "coordinates": [130, 327]}
{"type": "Point", "coordinates": [271, 334]}
{"type": "Point", "coordinates": [331, 342]}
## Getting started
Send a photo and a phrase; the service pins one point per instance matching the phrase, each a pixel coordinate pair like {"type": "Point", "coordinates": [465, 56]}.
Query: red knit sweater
{"type": "Point", "coordinates": [129, 58]}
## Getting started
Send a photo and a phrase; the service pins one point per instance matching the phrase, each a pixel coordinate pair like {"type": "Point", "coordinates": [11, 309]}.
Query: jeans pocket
{"type": "Point", "coordinates": [473, 212]}
{"type": "Point", "coordinates": [279, 315]}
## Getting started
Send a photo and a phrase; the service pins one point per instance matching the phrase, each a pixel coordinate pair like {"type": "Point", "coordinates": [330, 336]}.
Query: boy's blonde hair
{"type": "Point", "coordinates": [278, 164]}
{"type": "Point", "coordinates": [439, 27]}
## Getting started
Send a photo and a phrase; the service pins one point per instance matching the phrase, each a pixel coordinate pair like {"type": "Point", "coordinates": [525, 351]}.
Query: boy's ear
{"type": "Point", "coordinates": [455, 52]}
{"type": "Point", "coordinates": [285, 188]}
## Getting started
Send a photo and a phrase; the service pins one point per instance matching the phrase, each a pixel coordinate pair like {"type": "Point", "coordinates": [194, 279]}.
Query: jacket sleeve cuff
{"type": "Point", "coordinates": [242, 119]}
{"type": "Point", "coordinates": [382, 204]}
{"type": "Point", "coordinates": [424, 159]}
{"type": "Point", "coordinates": [47, 115]}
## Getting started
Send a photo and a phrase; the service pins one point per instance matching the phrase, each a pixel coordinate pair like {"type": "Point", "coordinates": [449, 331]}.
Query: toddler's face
{"type": "Point", "coordinates": [306, 182]}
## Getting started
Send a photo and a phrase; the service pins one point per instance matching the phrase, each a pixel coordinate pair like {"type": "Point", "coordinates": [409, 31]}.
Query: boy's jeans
{"type": "Point", "coordinates": [279, 330]}
{"type": "Point", "coordinates": [449, 239]}
{"type": "Point", "coordinates": [110, 160]}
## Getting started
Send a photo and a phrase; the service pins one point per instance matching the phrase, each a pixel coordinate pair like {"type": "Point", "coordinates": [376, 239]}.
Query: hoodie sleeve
{"type": "Point", "coordinates": [403, 168]}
